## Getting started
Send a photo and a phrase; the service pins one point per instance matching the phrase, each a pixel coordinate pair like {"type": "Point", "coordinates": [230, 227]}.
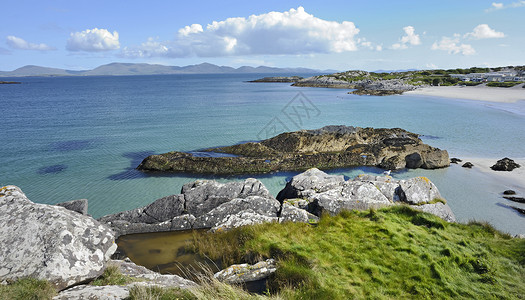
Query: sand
{"type": "Point", "coordinates": [482, 93]}
{"type": "Point", "coordinates": [514, 178]}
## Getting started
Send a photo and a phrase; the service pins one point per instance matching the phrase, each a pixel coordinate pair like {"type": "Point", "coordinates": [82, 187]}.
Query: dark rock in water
{"type": "Point", "coordinates": [468, 164]}
{"type": "Point", "coordinates": [80, 206]}
{"type": "Point", "coordinates": [54, 169]}
{"type": "Point", "coordinates": [455, 160]}
{"type": "Point", "coordinates": [515, 199]}
{"type": "Point", "coordinates": [509, 192]}
{"type": "Point", "coordinates": [505, 164]}
{"type": "Point", "coordinates": [10, 82]}
{"type": "Point", "coordinates": [279, 79]}
{"type": "Point", "coordinates": [520, 210]}
{"type": "Point", "coordinates": [327, 147]}
{"type": "Point", "coordinates": [50, 242]}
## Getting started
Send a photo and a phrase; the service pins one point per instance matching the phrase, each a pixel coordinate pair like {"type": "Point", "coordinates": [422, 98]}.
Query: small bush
{"type": "Point", "coordinates": [503, 84]}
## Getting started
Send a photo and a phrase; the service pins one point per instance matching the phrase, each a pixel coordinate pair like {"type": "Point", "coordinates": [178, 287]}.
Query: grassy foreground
{"type": "Point", "coordinates": [391, 253]}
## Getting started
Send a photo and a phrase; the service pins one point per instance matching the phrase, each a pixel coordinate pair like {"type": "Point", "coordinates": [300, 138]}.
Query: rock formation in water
{"type": "Point", "coordinates": [505, 164]}
{"type": "Point", "coordinates": [221, 206]}
{"type": "Point", "coordinates": [279, 79]}
{"type": "Point", "coordinates": [325, 148]}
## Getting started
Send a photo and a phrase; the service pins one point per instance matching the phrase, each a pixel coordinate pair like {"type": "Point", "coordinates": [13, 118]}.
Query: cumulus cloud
{"type": "Point", "coordinates": [93, 40]}
{"type": "Point", "coordinates": [497, 5]}
{"type": "Point", "coordinates": [483, 31]}
{"type": "Point", "coordinates": [410, 38]}
{"type": "Point", "coordinates": [453, 46]}
{"type": "Point", "coordinates": [290, 32]}
{"type": "Point", "coordinates": [19, 43]}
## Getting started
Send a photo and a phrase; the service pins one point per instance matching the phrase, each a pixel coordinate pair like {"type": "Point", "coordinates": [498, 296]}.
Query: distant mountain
{"type": "Point", "coordinates": [121, 69]}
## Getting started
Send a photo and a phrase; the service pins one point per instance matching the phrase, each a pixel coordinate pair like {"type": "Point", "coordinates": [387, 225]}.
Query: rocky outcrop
{"type": "Point", "coordinates": [505, 164]}
{"type": "Point", "coordinates": [80, 206]}
{"type": "Point", "coordinates": [10, 82]}
{"type": "Point", "coordinates": [468, 165]}
{"type": "Point", "coordinates": [358, 80]}
{"type": "Point", "coordinates": [201, 204]}
{"type": "Point", "coordinates": [140, 275]}
{"type": "Point", "coordinates": [364, 192]}
{"type": "Point", "coordinates": [325, 148]}
{"type": "Point", "coordinates": [243, 273]}
{"type": "Point", "coordinates": [50, 242]}
{"type": "Point", "coordinates": [279, 79]}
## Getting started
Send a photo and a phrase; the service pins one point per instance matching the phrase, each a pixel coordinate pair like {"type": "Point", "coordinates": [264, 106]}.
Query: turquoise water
{"type": "Point", "coordinates": [67, 138]}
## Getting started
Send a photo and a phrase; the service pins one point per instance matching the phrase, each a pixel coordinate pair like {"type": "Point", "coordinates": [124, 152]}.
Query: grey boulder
{"type": "Point", "coordinates": [245, 273]}
{"type": "Point", "coordinates": [80, 206]}
{"type": "Point", "coordinates": [50, 242]}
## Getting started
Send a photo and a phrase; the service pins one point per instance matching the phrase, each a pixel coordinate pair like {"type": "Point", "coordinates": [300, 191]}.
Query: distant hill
{"type": "Point", "coordinates": [122, 69]}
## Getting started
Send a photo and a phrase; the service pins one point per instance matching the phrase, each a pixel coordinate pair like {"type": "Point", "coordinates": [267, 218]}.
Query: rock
{"type": "Point", "coordinates": [361, 193]}
{"type": "Point", "coordinates": [279, 79]}
{"type": "Point", "coordinates": [454, 160]}
{"type": "Point", "coordinates": [505, 164]}
{"type": "Point", "coordinates": [468, 164]}
{"type": "Point", "coordinates": [520, 210]}
{"type": "Point", "coordinates": [324, 81]}
{"type": "Point", "coordinates": [291, 213]}
{"type": "Point", "coordinates": [160, 210]}
{"type": "Point", "coordinates": [122, 227]}
{"type": "Point", "coordinates": [418, 190]}
{"type": "Point", "coordinates": [128, 268]}
{"type": "Point", "coordinates": [50, 242]}
{"type": "Point", "coordinates": [10, 82]}
{"type": "Point", "coordinates": [328, 147]}
{"type": "Point", "coordinates": [265, 207]}
{"type": "Point", "coordinates": [80, 206]}
{"type": "Point", "coordinates": [144, 276]}
{"type": "Point", "coordinates": [309, 182]}
{"type": "Point", "coordinates": [439, 209]}
{"type": "Point", "coordinates": [89, 292]}
{"type": "Point", "coordinates": [243, 218]}
{"type": "Point", "coordinates": [242, 273]}
{"type": "Point", "coordinates": [515, 199]}
{"type": "Point", "coordinates": [204, 195]}
{"type": "Point", "coordinates": [509, 192]}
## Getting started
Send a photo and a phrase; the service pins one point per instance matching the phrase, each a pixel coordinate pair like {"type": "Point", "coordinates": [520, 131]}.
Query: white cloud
{"type": "Point", "coordinates": [453, 46]}
{"type": "Point", "coordinates": [498, 5]}
{"type": "Point", "coordinates": [483, 31]}
{"type": "Point", "coordinates": [290, 32]}
{"type": "Point", "coordinates": [410, 38]}
{"type": "Point", "coordinates": [93, 40]}
{"type": "Point", "coordinates": [19, 43]}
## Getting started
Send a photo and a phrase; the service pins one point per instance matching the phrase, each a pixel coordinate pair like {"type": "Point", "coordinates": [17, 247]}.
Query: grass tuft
{"type": "Point", "coordinates": [113, 276]}
{"type": "Point", "coordinates": [27, 289]}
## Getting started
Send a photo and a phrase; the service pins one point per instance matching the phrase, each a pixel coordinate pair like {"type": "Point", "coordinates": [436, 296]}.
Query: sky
{"type": "Point", "coordinates": [339, 35]}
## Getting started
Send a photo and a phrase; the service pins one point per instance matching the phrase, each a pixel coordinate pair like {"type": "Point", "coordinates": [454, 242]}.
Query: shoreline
{"type": "Point", "coordinates": [514, 178]}
{"type": "Point", "coordinates": [480, 93]}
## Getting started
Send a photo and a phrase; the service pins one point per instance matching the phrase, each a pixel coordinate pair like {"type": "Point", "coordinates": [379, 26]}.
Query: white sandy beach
{"type": "Point", "coordinates": [482, 93]}
{"type": "Point", "coordinates": [514, 178]}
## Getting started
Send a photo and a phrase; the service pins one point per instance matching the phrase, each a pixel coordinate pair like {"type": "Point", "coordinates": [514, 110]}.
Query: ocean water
{"type": "Point", "coordinates": [67, 138]}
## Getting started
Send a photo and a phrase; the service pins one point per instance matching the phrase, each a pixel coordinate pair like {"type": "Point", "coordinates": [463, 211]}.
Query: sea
{"type": "Point", "coordinates": [65, 138]}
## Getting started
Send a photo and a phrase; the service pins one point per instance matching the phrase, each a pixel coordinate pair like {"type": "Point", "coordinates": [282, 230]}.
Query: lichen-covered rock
{"type": "Point", "coordinates": [92, 292]}
{"type": "Point", "coordinates": [80, 205]}
{"type": "Point", "coordinates": [122, 227]}
{"type": "Point", "coordinates": [50, 242]}
{"type": "Point", "coordinates": [129, 268]}
{"type": "Point", "coordinates": [243, 218]}
{"type": "Point", "coordinates": [245, 273]}
{"type": "Point", "coordinates": [267, 207]}
{"type": "Point", "coordinates": [204, 195]}
{"type": "Point", "coordinates": [291, 213]}
{"type": "Point", "coordinates": [361, 193]}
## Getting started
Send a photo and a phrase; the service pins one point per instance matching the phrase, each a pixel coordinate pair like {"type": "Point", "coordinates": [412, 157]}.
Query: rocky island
{"type": "Point", "coordinates": [325, 148]}
{"type": "Point", "coordinates": [279, 79]}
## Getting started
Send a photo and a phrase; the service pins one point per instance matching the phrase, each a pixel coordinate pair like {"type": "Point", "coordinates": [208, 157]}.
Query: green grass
{"type": "Point", "coordinates": [27, 289]}
{"type": "Point", "coordinates": [503, 84]}
{"type": "Point", "coordinates": [393, 253]}
{"type": "Point", "coordinates": [113, 276]}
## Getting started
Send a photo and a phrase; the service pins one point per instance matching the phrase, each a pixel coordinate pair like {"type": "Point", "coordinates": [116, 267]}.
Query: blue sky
{"type": "Point", "coordinates": [338, 35]}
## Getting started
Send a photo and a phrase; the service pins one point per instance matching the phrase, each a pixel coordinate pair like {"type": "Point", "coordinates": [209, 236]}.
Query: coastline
{"type": "Point", "coordinates": [514, 179]}
{"type": "Point", "coordinates": [480, 93]}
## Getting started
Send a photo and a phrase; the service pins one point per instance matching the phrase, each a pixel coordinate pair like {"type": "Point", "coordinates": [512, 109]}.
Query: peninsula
{"type": "Point", "coordinates": [325, 148]}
